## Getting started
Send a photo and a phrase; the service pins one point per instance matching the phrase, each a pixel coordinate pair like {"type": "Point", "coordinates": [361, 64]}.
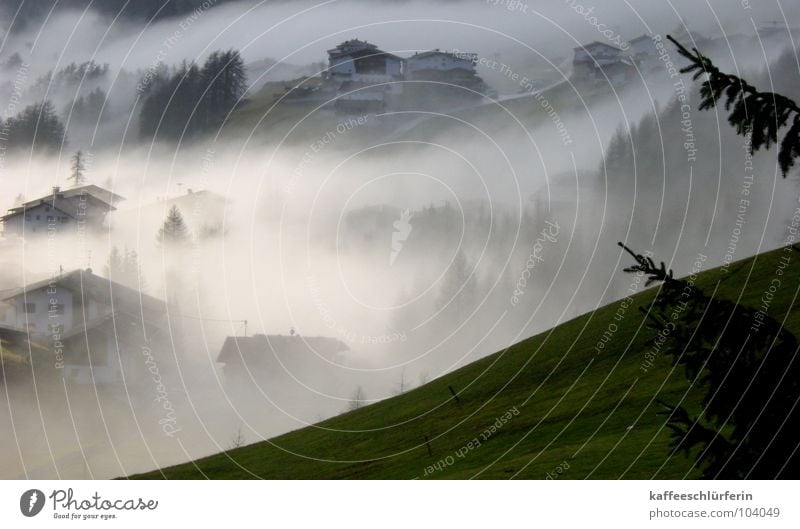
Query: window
{"type": "Point", "coordinates": [30, 308]}
{"type": "Point", "coordinates": [38, 217]}
{"type": "Point", "coordinates": [50, 218]}
{"type": "Point", "coordinates": [56, 309]}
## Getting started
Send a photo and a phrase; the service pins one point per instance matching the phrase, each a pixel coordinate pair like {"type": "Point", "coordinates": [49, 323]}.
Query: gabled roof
{"type": "Point", "coordinates": [640, 37]}
{"type": "Point", "coordinates": [91, 286]}
{"type": "Point", "coordinates": [252, 349]}
{"type": "Point", "coordinates": [351, 46]}
{"type": "Point", "coordinates": [62, 203]}
{"type": "Point", "coordinates": [96, 191]}
{"type": "Point", "coordinates": [56, 205]}
{"type": "Point", "coordinates": [431, 53]}
{"type": "Point", "coordinates": [596, 44]}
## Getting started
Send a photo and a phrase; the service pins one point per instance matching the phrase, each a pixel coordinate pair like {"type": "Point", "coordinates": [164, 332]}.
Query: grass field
{"type": "Point", "coordinates": [588, 415]}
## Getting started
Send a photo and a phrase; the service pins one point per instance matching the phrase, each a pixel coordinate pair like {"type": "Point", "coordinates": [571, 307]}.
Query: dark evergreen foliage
{"type": "Point", "coordinates": [192, 100]}
{"type": "Point", "coordinates": [173, 234]}
{"type": "Point", "coordinates": [746, 364]}
{"type": "Point", "coordinates": [36, 128]}
{"type": "Point", "coordinates": [762, 114]}
{"type": "Point", "coordinates": [27, 11]}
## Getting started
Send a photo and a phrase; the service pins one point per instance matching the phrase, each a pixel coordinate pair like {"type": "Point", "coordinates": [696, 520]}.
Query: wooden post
{"type": "Point", "coordinates": [428, 445]}
{"type": "Point", "coordinates": [453, 392]}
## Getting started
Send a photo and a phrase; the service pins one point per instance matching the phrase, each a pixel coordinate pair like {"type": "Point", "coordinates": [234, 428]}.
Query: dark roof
{"type": "Point", "coordinates": [339, 49]}
{"type": "Point", "coordinates": [641, 37]}
{"type": "Point", "coordinates": [100, 289]}
{"type": "Point", "coordinates": [359, 54]}
{"type": "Point", "coordinates": [597, 43]}
{"type": "Point", "coordinates": [249, 349]}
{"type": "Point", "coordinates": [61, 202]}
{"type": "Point", "coordinates": [7, 332]}
{"type": "Point", "coordinates": [96, 191]}
{"type": "Point", "coordinates": [460, 55]}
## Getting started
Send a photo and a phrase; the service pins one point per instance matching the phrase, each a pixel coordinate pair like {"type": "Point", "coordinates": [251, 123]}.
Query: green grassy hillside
{"type": "Point", "coordinates": [587, 414]}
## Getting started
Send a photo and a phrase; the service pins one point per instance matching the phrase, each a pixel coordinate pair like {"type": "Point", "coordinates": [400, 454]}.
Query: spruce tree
{"type": "Point", "coordinates": [762, 114]}
{"type": "Point", "coordinates": [745, 364]}
{"type": "Point", "coordinates": [174, 233]}
{"type": "Point", "coordinates": [78, 169]}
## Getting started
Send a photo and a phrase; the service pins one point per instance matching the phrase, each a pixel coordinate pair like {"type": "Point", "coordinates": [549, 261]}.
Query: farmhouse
{"type": "Point", "coordinates": [421, 64]}
{"type": "Point", "coordinates": [93, 328]}
{"type": "Point", "coordinates": [366, 79]}
{"type": "Point", "coordinates": [251, 358]}
{"type": "Point", "coordinates": [643, 51]}
{"type": "Point", "coordinates": [597, 60]}
{"type": "Point", "coordinates": [354, 59]}
{"type": "Point", "coordinates": [62, 211]}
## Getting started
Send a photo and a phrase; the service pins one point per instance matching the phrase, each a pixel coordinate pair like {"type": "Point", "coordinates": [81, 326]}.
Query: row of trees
{"type": "Point", "coordinates": [177, 104]}
{"type": "Point", "coordinates": [192, 100]}
{"type": "Point", "coordinates": [27, 11]}
{"type": "Point", "coordinates": [37, 127]}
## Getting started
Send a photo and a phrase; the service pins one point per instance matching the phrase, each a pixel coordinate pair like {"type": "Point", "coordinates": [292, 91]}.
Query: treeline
{"type": "Point", "coordinates": [36, 128]}
{"type": "Point", "coordinates": [190, 100]}
{"type": "Point", "coordinates": [175, 104]}
{"type": "Point", "coordinates": [27, 11]}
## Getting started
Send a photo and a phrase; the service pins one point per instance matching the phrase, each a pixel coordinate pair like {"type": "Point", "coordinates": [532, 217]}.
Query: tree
{"type": "Point", "coordinates": [192, 100]}
{"type": "Point", "coordinates": [745, 363]}
{"type": "Point", "coordinates": [358, 400]}
{"type": "Point", "coordinates": [36, 127]}
{"type": "Point", "coordinates": [78, 168]}
{"type": "Point", "coordinates": [225, 82]}
{"type": "Point", "coordinates": [238, 440]}
{"type": "Point", "coordinates": [173, 233]}
{"type": "Point", "coordinates": [761, 114]}
{"type": "Point", "coordinates": [402, 385]}
{"type": "Point", "coordinates": [124, 268]}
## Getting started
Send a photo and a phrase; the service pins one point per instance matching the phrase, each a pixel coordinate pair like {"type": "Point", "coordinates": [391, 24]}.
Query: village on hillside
{"type": "Point", "coordinates": [84, 325]}
{"type": "Point", "coordinates": [75, 317]}
{"type": "Point", "coordinates": [361, 78]}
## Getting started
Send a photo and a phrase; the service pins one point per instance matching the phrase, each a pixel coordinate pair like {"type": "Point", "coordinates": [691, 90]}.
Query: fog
{"type": "Point", "coordinates": [422, 239]}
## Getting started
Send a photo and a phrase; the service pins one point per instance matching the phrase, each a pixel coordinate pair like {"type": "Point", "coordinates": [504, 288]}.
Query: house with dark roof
{"type": "Point", "coordinates": [643, 51]}
{"type": "Point", "coordinates": [63, 211]}
{"type": "Point", "coordinates": [94, 329]}
{"type": "Point", "coordinates": [364, 76]}
{"type": "Point", "coordinates": [597, 61]}
{"type": "Point", "coordinates": [355, 58]}
{"type": "Point", "coordinates": [422, 63]}
{"type": "Point", "coordinates": [253, 358]}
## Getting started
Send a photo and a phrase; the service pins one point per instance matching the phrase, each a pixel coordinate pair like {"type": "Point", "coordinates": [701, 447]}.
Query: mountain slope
{"type": "Point", "coordinates": [578, 413]}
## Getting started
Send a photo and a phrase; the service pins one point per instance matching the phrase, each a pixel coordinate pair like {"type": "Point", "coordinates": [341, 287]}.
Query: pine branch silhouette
{"type": "Point", "coordinates": [745, 364]}
{"type": "Point", "coordinates": [762, 114]}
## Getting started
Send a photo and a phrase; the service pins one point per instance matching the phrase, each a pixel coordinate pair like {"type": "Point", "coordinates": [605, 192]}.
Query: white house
{"type": "Point", "coordinates": [440, 61]}
{"type": "Point", "coordinates": [62, 211]}
{"type": "Point", "coordinates": [355, 58]}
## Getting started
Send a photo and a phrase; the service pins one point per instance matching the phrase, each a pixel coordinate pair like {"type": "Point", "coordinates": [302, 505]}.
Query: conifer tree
{"type": "Point", "coordinates": [745, 363]}
{"type": "Point", "coordinates": [762, 114]}
{"type": "Point", "coordinates": [78, 169]}
{"type": "Point", "coordinates": [173, 233]}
